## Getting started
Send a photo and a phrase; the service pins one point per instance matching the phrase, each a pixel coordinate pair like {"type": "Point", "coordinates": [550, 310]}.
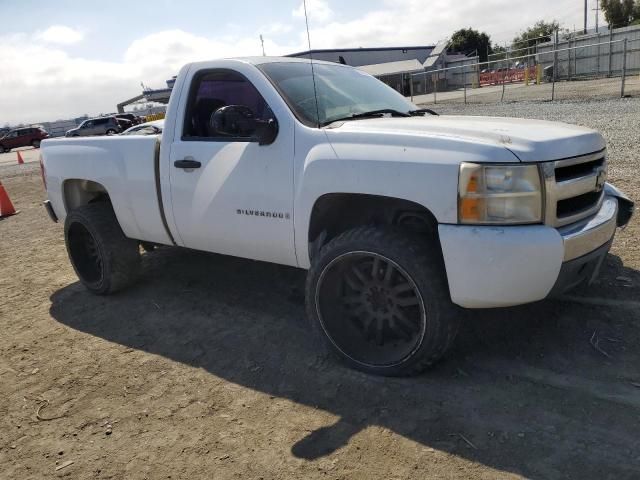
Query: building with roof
{"type": "Point", "coordinates": [395, 74]}
{"type": "Point", "coordinates": [357, 57]}
{"type": "Point", "coordinates": [395, 66]}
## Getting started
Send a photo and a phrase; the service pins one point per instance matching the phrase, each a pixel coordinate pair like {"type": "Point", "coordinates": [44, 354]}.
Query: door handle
{"type": "Point", "coordinates": [187, 163]}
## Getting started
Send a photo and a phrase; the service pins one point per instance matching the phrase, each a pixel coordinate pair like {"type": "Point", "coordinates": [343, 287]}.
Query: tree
{"type": "Point", "coordinates": [470, 41]}
{"type": "Point", "coordinates": [620, 13]}
{"type": "Point", "coordinates": [540, 31]}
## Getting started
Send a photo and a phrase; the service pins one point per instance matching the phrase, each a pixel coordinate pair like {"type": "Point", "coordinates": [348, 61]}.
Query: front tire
{"type": "Point", "coordinates": [104, 259]}
{"type": "Point", "coordinates": [35, 144]}
{"type": "Point", "coordinates": [378, 299]}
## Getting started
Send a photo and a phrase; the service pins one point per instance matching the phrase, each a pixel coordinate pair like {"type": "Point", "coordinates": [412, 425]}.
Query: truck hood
{"type": "Point", "coordinates": [529, 140]}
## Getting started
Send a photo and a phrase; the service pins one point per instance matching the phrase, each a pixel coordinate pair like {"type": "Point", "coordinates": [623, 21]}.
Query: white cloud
{"type": "Point", "coordinates": [40, 82]}
{"type": "Point", "coordinates": [317, 10]}
{"type": "Point", "coordinates": [60, 35]}
{"type": "Point", "coordinates": [276, 28]}
{"type": "Point", "coordinates": [416, 22]}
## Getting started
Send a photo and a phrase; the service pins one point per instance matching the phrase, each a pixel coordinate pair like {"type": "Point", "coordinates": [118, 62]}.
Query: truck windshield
{"type": "Point", "coordinates": [342, 91]}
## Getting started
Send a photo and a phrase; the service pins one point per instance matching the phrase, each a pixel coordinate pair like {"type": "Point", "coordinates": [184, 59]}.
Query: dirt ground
{"type": "Point", "coordinates": [206, 369]}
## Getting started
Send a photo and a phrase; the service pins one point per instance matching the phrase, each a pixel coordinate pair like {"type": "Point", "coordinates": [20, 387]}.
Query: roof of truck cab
{"type": "Point", "coordinates": [263, 60]}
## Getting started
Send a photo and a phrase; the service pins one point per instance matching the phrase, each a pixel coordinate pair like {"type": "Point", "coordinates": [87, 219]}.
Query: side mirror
{"type": "Point", "coordinates": [233, 121]}
{"type": "Point", "coordinates": [268, 132]}
{"type": "Point", "coordinates": [239, 121]}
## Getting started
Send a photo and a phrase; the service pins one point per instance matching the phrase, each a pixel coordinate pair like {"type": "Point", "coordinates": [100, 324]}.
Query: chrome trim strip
{"type": "Point", "coordinates": [576, 186]}
{"type": "Point", "coordinates": [567, 162]}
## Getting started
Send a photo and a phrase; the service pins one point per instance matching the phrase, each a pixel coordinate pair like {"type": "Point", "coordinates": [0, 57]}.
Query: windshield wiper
{"type": "Point", "coordinates": [422, 111]}
{"type": "Point", "coordinates": [371, 114]}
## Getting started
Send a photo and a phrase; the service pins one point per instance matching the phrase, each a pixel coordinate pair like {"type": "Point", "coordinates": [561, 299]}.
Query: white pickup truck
{"type": "Point", "coordinates": [400, 216]}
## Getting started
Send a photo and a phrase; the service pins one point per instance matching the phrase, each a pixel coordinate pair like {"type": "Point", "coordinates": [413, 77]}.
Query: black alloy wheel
{"type": "Point", "coordinates": [371, 309]}
{"type": "Point", "coordinates": [85, 254]}
{"type": "Point", "coordinates": [378, 300]}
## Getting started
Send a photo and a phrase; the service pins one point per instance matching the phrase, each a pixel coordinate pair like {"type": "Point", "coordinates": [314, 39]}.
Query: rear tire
{"type": "Point", "coordinates": [35, 144]}
{"type": "Point", "coordinates": [5, 149]}
{"type": "Point", "coordinates": [377, 297]}
{"type": "Point", "coordinates": [111, 131]}
{"type": "Point", "coordinates": [104, 259]}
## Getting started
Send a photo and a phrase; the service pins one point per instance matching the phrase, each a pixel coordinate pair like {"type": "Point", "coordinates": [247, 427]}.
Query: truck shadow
{"type": "Point", "coordinates": [523, 391]}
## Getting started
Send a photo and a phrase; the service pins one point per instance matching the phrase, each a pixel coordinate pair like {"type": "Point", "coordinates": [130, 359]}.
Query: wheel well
{"type": "Point", "coordinates": [335, 213]}
{"type": "Point", "coordinates": [82, 192]}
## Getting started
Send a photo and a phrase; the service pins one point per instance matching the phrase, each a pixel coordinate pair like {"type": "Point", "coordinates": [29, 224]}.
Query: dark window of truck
{"type": "Point", "coordinates": [340, 91]}
{"type": "Point", "coordinates": [214, 89]}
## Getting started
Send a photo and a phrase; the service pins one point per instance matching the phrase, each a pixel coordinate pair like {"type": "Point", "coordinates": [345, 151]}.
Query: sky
{"type": "Point", "coordinates": [65, 58]}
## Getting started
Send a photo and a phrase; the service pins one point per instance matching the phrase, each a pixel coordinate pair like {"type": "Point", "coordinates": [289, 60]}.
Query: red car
{"type": "Point", "coordinates": [22, 137]}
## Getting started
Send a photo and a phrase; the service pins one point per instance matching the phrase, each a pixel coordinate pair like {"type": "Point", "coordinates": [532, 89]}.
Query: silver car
{"type": "Point", "coordinates": [95, 126]}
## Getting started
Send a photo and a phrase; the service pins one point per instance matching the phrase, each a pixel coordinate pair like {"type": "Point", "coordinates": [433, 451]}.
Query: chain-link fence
{"type": "Point", "coordinates": [556, 72]}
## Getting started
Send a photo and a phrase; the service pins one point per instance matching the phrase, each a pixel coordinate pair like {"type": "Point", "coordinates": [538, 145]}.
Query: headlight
{"type": "Point", "coordinates": [499, 194]}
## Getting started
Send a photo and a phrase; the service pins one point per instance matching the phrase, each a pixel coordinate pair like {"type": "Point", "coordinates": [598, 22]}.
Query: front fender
{"type": "Point", "coordinates": [433, 186]}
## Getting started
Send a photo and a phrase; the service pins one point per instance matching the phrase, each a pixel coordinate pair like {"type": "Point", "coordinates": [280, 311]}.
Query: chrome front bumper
{"type": "Point", "coordinates": [587, 243]}
{"type": "Point", "coordinates": [588, 235]}
{"type": "Point", "coordinates": [583, 237]}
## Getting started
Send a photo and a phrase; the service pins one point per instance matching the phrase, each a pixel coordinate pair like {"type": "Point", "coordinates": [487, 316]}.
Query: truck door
{"type": "Point", "coordinates": [229, 194]}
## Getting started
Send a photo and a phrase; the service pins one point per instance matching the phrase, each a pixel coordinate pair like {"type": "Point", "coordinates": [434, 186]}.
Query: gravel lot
{"type": "Point", "coordinates": [206, 368]}
{"type": "Point", "coordinates": [617, 119]}
{"type": "Point", "coordinates": [579, 90]}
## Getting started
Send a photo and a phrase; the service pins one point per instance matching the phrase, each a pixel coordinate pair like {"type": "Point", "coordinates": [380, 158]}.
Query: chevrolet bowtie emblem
{"type": "Point", "coordinates": [601, 179]}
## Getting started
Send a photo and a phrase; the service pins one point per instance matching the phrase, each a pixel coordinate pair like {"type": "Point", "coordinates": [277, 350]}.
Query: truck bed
{"type": "Point", "coordinates": [127, 168]}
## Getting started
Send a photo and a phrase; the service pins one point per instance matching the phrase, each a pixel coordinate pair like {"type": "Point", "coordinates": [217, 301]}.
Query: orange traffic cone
{"type": "Point", "coordinates": [20, 160]}
{"type": "Point", "coordinates": [6, 207]}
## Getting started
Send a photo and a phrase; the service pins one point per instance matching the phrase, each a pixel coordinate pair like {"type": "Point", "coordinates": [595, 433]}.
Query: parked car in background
{"type": "Point", "coordinates": [149, 128]}
{"type": "Point", "coordinates": [124, 123]}
{"type": "Point", "coordinates": [22, 137]}
{"type": "Point", "coordinates": [134, 119]}
{"type": "Point", "coordinates": [96, 126]}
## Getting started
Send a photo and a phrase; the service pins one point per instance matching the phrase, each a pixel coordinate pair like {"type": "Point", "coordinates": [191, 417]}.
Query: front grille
{"type": "Point", "coordinates": [577, 170]}
{"type": "Point", "coordinates": [574, 188]}
{"type": "Point", "coordinates": [573, 205]}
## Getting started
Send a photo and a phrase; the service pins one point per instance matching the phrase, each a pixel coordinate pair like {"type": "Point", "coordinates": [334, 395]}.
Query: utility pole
{"type": "Point", "coordinates": [585, 17]}
{"type": "Point", "coordinates": [262, 42]}
{"type": "Point", "coordinates": [597, 10]}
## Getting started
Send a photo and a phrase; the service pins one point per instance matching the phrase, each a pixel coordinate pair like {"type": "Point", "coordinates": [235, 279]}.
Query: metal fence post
{"type": "Point", "coordinates": [624, 66]}
{"type": "Point", "coordinates": [435, 87]}
{"type": "Point", "coordinates": [504, 79]}
{"type": "Point", "coordinates": [411, 86]}
{"type": "Point", "coordinates": [555, 66]}
{"type": "Point", "coordinates": [425, 82]}
{"type": "Point", "coordinates": [610, 52]}
{"type": "Point", "coordinates": [464, 80]}
{"type": "Point", "coordinates": [598, 59]}
{"type": "Point", "coordinates": [569, 74]}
